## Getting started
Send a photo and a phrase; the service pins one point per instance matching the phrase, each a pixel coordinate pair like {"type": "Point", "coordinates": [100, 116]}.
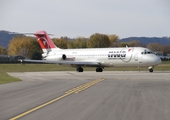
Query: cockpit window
{"type": "Point", "coordinates": [146, 52]}
{"type": "Point", "coordinates": [150, 52]}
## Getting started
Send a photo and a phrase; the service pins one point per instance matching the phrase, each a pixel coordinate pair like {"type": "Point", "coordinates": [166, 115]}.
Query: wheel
{"type": "Point", "coordinates": [151, 70]}
{"type": "Point", "coordinates": [99, 69]}
{"type": "Point", "coordinates": [79, 69]}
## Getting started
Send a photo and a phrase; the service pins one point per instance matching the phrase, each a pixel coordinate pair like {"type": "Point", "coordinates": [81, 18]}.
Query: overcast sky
{"type": "Point", "coordinates": [73, 18]}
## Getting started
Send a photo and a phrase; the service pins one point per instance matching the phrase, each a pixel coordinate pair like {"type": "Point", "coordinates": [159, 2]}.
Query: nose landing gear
{"type": "Point", "coordinates": [150, 69]}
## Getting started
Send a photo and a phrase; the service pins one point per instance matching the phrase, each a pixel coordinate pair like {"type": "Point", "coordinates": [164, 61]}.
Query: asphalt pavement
{"type": "Point", "coordinates": [89, 95]}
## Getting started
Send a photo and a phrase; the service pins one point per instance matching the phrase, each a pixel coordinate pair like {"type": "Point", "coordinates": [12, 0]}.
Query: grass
{"type": "Point", "coordinates": [5, 78]}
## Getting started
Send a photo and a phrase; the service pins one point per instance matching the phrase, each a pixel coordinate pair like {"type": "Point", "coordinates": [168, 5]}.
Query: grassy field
{"type": "Point", "coordinates": [5, 78]}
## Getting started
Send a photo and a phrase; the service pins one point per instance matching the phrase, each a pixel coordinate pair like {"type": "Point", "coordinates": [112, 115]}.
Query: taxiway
{"type": "Point", "coordinates": [87, 96]}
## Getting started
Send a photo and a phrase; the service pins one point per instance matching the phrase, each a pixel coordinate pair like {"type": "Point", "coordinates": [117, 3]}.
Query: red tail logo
{"type": "Point", "coordinates": [43, 43]}
{"type": "Point", "coordinates": [44, 40]}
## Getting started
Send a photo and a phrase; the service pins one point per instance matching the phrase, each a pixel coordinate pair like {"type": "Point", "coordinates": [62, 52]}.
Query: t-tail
{"type": "Point", "coordinates": [45, 42]}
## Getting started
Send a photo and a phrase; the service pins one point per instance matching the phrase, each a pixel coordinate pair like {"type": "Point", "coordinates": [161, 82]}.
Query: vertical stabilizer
{"type": "Point", "coordinates": [45, 42]}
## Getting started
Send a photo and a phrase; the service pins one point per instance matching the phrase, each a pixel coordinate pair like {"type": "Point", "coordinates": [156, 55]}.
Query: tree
{"type": "Point", "coordinates": [79, 42]}
{"type": "Point", "coordinates": [123, 44]}
{"type": "Point", "coordinates": [3, 51]}
{"type": "Point", "coordinates": [98, 41]}
{"type": "Point", "coordinates": [154, 47]}
{"type": "Point", "coordinates": [61, 43]}
{"type": "Point", "coordinates": [135, 43]}
{"type": "Point", "coordinates": [166, 49]}
{"type": "Point", "coordinates": [113, 40]}
{"type": "Point", "coordinates": [36, 55]}
{"type": "Point", "coordinates": [22, 45]}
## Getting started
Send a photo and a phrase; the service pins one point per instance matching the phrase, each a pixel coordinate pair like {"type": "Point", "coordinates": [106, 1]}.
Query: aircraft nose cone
{"type": "Point", "coordinates": [158, 60]}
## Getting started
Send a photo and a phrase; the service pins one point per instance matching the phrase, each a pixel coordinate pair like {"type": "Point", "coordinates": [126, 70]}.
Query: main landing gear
{"type": "Point", "coordinates": [79, 69]}
{"type": "Point", "coordinates": [98, 69]}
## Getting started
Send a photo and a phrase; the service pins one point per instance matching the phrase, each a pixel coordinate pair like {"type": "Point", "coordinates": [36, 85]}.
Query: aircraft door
{"type": "Point", "coordinates": [136, 57]}
{"type": "Point", "coordinates": [140, 56]}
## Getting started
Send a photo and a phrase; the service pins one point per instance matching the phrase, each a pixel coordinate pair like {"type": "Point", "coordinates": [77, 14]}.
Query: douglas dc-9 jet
{"type": "Point", "coordinates": [95, 57]}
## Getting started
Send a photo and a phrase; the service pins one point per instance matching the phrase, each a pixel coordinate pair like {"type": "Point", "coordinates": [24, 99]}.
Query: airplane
{"type": "Point", "coordinates": [95, 57]}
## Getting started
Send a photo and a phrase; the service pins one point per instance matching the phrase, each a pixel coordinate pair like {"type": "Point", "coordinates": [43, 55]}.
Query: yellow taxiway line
{"type": "Point", "coordinates": [67, 93]}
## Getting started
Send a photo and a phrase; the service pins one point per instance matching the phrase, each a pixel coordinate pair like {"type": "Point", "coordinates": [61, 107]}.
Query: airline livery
{"type": "Point", "coordinates": [95, 57]}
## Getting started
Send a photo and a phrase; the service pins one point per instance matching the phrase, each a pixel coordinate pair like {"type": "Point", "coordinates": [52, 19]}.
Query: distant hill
{"type": "Point", "coordinates": [147, 40]}
{"type": "Point", "coordinates": [5, 37]}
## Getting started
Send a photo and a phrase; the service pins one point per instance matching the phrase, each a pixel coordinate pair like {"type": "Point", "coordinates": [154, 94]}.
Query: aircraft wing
{"type": "Point", "coordinates": [83, 63]}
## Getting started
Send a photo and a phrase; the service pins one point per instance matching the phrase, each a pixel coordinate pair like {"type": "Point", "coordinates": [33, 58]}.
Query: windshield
{"type": "Point", "coordinates": [146, 52]}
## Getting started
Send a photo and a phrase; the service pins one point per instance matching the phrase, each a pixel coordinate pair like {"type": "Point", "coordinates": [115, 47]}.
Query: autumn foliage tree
{"type": "Point", "coordinates": [135, 43]}
{"type": "Point", "coordinates": [79, 42]}
{"type": "Point", "coordinates": [123, 44]}
{"type": "Point", "coordinates": [3, 51]}
{"type": "Point", "coordinates": [166, 49]}
{"type": "Point", "coordinates": [25, 46]}
{"type": "Point", "coordinates": [154, 47]}
{"type": "Point", "coordinates": [98, 41]}
{"type": "Point", "coordinates": [113, 40]}
{"type": "Point", "coordinates": [61, 42]}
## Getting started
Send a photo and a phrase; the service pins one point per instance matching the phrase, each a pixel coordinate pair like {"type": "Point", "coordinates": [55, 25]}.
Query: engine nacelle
{"type": "Point", "coordinates": [64, 57]}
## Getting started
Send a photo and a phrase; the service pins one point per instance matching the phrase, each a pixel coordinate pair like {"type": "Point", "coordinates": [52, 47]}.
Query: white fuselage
{"type": "Point", "coordinates": [133, 56]}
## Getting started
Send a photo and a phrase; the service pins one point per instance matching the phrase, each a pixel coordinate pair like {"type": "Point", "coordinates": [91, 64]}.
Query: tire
{"type": "Point", "coordinates": [151, 70]}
